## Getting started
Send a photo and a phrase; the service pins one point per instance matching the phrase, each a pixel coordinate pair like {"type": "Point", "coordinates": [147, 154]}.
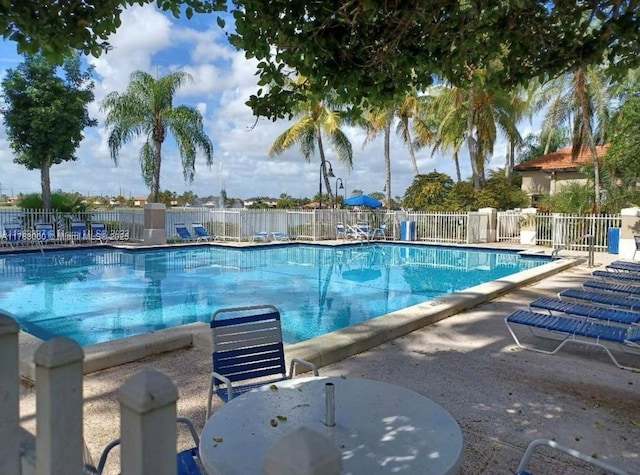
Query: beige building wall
{"type": "Point", "coordinates": [565, 178]}
{"type": "Point", "coordinates": [545, 183]}
{"type": "Point", "coordinates": [535, 183]}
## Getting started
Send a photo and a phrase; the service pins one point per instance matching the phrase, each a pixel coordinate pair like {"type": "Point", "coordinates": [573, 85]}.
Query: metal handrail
{"type": "Point", "coordinates": [588, 237]}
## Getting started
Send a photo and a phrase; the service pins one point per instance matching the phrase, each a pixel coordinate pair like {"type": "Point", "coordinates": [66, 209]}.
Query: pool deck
{"type": "Point", "coordinates": [501, 396]}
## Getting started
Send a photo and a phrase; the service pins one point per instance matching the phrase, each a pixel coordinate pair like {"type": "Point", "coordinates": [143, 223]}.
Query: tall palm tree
{"type": "Point", "coordinates": [316, 117]}
{"type": "Point", "coordinates": [580, 99]}
{"type": "Point", "coordinates": [408, 113]}
{"type": "Point", "coordinates": [474, 115]}
{"type": "Point", "coordinates": [377, 120]}
{"type": "Point", "coordinates": [146, 109]}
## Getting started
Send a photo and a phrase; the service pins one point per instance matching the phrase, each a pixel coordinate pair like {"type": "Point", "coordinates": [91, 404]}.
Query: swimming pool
{"type": "Point", "coordinates": [97, 295]}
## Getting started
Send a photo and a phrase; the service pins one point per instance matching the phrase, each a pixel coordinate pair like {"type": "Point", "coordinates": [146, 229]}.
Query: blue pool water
{"type": "Point", "coordinates": [98, 295]}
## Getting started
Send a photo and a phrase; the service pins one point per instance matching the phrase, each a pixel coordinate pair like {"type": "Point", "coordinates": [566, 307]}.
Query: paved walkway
{"type": "Point", "coordinates": [501, 396]}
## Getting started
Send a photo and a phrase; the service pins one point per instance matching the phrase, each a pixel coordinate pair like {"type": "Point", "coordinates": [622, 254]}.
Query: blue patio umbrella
{"type": "Point", "coordinates": [362, 200]}
{"type": "Point", "coordinates": [361, 275]}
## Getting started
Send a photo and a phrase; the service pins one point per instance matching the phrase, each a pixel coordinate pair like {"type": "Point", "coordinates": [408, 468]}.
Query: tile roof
{"type": "Point", "coordinates": [560, 160]}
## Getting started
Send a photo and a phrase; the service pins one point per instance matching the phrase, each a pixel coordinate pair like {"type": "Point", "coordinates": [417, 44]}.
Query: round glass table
{"type": "Point", "coordinates": [379, 427]}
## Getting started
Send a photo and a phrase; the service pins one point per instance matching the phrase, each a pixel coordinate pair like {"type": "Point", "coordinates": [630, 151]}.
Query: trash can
{"type": "Point", "coordinates": [613, 240]}
{"type": "Point", "coordinates": [407, 230]}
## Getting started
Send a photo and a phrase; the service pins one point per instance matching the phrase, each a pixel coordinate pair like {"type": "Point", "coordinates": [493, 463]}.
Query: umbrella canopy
{"type": "Point", "coordinates": [361, 275]}
{"type": "Point", "coordinates": [362, 200]}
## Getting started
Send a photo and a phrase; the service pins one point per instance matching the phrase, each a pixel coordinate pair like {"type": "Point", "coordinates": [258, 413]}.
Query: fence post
{"type": "Point", "coordinates": [59, 443]}
{"type": "Point", "coordinates": [155, 229]}
{"type": "Point", "coordinates": [492, 223]}
{"type": "Point", "coordinates": [148, 424]}
{"type": "Point", "coordinates": [9, 395]}
{"type": "Point", "coordinates": [528, 229]}
{"type": "Point", "coordinates": [630, 224]}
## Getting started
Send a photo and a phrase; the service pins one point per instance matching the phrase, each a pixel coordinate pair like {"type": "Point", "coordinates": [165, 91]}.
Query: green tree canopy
{"type": "Point", "coordinates": [365, 49]}
{"type": "Point", "coordinates": [45, 112]}
{"type": "Point", "coordinates": [55, 28]}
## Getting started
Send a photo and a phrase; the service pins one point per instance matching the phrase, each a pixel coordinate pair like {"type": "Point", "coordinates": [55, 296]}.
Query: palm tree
{"type": "Point", "coordinates": [376, 120]}
{"type": "Point", "coordinates": [316, 117]}
{"type": "Point", "coordinates": [580, 99]}
{"type": "Point", "coordinates": [474, 114]}
{"type": "Point", "coordinates": [146, 109]}
{"type": "Point", "coordinates": [408, 111]}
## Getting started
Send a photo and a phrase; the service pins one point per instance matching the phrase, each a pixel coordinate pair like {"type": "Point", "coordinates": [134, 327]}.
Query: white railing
{"type": "Point", "coordinates": [508, 226]}
{"type": "Point", "coordinates": [119, 221]}
{"type": "Point", "coordinates": [553, 230]}
{"type": "Point", "coordinates": [446, 227]}
{"type": "Point", "coordinates": [147, 413]}
{"type": "Point", "coordinates": [559, 231]}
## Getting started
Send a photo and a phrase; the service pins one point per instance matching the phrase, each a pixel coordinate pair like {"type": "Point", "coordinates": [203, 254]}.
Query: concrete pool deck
{"type": "Point", "coordinates": [501, 396]}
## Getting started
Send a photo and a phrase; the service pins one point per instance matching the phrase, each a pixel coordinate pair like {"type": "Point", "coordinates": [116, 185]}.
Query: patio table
{"type": "Point", "coordinates": [379, 427]}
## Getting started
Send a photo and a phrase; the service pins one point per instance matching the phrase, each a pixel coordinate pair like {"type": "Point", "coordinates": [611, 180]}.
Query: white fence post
{"type": "Point", "coordinates": [9, 395]}
{"type": "Point", "coordinates": [59, 443]}
{"type": "Point", "coordinates": [492, 223]}
{"type": "Point", "coordinates": [528, 227]}
{"type": "Point", "coordinates": [148, 424]}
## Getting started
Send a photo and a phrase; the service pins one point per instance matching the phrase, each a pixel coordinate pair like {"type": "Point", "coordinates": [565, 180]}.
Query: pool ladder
{"type": "Point", "coordinates": [590, 248]}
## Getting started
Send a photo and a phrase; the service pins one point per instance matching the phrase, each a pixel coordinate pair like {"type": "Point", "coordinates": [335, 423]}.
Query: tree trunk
{"type": "Point", "coordinates": [387, 162]}
{"type": "Point", "coordinates": [471, 143]}
{"type": "Point", "coordinates": [456, 159]}
{"type": "Point", "coordinates": [155, 183]}
{"type": "Point", "coordinates": [508, 166]}
{"type": "Point", "coordinates": [412, 153]}
{"type": "Point", "coordinates": [581, 91]}
{"type": "Point", "coordinates": [45, 184]}
{"type": "Point", "coordinates": [323, 166]}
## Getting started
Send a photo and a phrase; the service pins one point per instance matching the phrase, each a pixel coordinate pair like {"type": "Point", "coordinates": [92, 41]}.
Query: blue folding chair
{"type": "Point", "coordinates": [247, 346]}
{"type": "Point", "coordinates": [531, 448]}
{"type": "Point", "coordinates": [187, 461]}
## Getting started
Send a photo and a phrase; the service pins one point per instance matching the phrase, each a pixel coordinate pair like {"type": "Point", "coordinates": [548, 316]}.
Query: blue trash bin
{"type": "Point", "coordinates": [613, 240]}
{"type": "Point", "coordinates": [407, 230]}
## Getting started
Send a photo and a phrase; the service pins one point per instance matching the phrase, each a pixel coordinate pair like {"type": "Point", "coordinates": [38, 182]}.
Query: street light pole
{"type": "Point", "coordinates": [329, 175]}
{"type": "Point", "coordinates": [341, 188]}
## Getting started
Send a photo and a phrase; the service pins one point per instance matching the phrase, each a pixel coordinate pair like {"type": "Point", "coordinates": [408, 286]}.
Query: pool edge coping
{"type": "Point", "coordinates": [321, 350]}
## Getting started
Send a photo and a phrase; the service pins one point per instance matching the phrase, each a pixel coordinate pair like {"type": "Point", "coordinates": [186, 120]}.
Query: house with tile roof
{"type": "Point", "coordinates": [546, 175]}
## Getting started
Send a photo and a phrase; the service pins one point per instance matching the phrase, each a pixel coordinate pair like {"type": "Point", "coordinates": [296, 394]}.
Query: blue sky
{"type": "Point", "coordinates": [155, 42]}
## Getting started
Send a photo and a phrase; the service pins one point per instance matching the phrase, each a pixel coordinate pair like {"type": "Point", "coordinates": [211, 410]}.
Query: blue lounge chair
{"type": "Point", "coordinates": [260, 236]}
{"type": "Point", "coordinates": [280, 236]}
{"type": "Point", "coordinates": [624, 317]}
{"type": "Point", "coordinates": [524, 462]}
{"type": "Point", "coordinates": [187, 461]}
{"type": "Point", "coordinates": [79, 232]}
{"type": "Point", "coordinates": [631, 290]}
{"type": "Point", "coordinates": [45, 233]}
{"type": "Point", "coordinates": [602, 298]}
{"type": "Point", "coordinates": [576, 330]}
{"type": "Point", "coordinates": [99, 232]}
{"type": "Point", "coordinates": [13, 234]}
{"type": "Point", "coordinates": [201, 233]}
{"type": "Point", "coordinates": [184, 233]}
{"type": "Point", "coordinates": [617, 277]}
{"type": "Point", "coordinates": [247, 351]}
{"type": "Point", "coordinates": [625, 266]}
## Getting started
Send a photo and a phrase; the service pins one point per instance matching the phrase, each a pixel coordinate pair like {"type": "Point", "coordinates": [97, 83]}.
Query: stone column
{"type": "Point", "coordinates": [9, 395]}
{"type": "Point", "coordinates": [155, 231]}
{"type": "Point", "coordinates": [630, 228]}
{"type": "Point", "coordinates": [148, 424]}
{"type": "Point", "coordinates": [528, 231]}
{"type": "Point", "coordinates": [492, 223]}
{"type": "Point", "coordinates": [59, 442]}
